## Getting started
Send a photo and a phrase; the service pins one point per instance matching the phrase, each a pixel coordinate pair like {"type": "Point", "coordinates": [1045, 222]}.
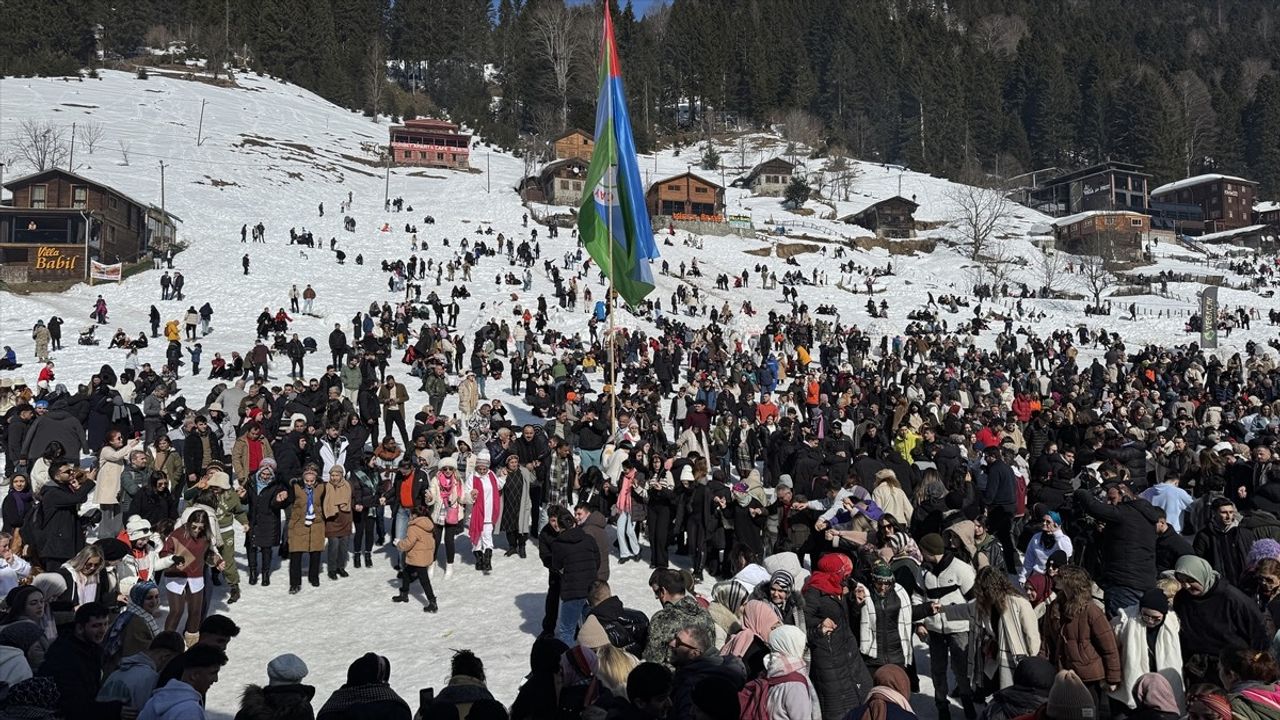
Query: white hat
{"type": "Point", "coordinates": [1224, 446]}
{"type": "Point", "coordinates": [138, 527]}
{"type": "Point", "coordinates": [220, 480]}
{"type": "Point", "coordinates": [686, 473]}
{"type": "Point", "coordinates": [482, 458]}
{"type": "Point", "coordinates": [449, 462]}
{"type": "Point", "coordinates": [296, 417]}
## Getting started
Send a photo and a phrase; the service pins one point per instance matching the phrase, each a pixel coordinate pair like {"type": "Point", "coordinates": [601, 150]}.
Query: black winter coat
{"type": "Point", "coordinates": [279, 702]}
{"type": "Point", "coordinates": [627, 629]}
{"type": "Point", "coordinates": [264, 512]}
{"type": "Point", "coordinates": [154, 506]}
{"type": "Point", "coordinates": [76, 667]}
{"type": "Point", "coordinates": [1128, 543]}
{"type": "Point", "coordinates": [58, 520]}
{"type": "Point", "coordinates": [1222, 617]}
{"type": "Point", "coordinates": [839, 675]}
{"type": "Point", "coordinates": [575, 557]}
{"type": "Point", "coordinates": [711, 665]}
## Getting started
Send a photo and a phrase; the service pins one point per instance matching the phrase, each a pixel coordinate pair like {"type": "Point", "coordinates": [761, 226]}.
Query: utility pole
{"type": "Point", "coordinates": [71, 163]}
{"type": "Point", "coordinates": [164, 217]}
{"type": "Point", "coordinates": [487, 177]}
{"type": "Point", "coordinates": [386, 192]}
{"type": "Point", "coordinates": [200, 127]}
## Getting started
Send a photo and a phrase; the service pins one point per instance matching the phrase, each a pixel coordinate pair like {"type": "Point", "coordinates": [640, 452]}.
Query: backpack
{"type": "Point", "coordinates": [753, 698]}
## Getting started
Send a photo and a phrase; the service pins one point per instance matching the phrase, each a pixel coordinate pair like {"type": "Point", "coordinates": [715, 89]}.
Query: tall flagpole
{"type": "Point", "coordinates": [613, 196]}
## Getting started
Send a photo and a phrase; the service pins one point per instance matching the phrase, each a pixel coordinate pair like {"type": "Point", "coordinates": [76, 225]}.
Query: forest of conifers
{"type": "Point", "coordinates": [956, 87]}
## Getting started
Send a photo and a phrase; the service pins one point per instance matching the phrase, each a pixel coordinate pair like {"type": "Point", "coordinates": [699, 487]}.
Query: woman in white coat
{"type": "Point", "coordinates": [1133, 635]}
{"type": "Point", "coordinates": [996, 651]}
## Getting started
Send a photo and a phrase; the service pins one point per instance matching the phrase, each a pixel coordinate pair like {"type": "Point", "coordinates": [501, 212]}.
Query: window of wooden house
{"type": "Point", "coordinates": [700, 190]}
{"type": "Point", "coordinates": [79, 196]}
{"type": "Point", "coordinates": [439, 156]}
{"type": "Point", "coordinates": [39, 196]}
{"type": "Point", "coordinates": [564, 184]}
{"type": "Point", "coordinates": [115, 202]}
{"type": "Point", "coordinates": [1110, 220]}
{"type": "Point", "coordinates": [1135, 222]}
{"type": "Point", "coordinates": [674, 187]}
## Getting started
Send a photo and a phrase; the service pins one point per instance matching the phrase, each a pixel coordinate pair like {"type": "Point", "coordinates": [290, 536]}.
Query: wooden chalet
{"type": "Point", "coordinates": [59, 219]}
{"type": "Point", "coordinates": [686, 197]}
{"type": "Point", "coordinates": [1114, 235]}
{"type": "Point", "coordinates": [1226, 202]}
{"type": "Point", "coordinates": [889, 218]}
{"type": "Point", "coordinates": [574, 144]}
{"type": "Point", "coordinates": [559, 183]}
{"type": "Point", "coordinates": [769, 178]}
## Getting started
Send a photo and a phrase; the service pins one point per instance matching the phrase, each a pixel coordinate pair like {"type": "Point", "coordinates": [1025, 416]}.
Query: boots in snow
{"type": "Point", "coordinates": [368, 560]}
{"type": "Point", "coordinates": [448, 571]}
{"type": "Point", "coordinates": [431, 606]}
{"type": "Point", "coordinates": [488, 561]}
{"type": "Point", "coordinates": [402, 597]}
{"type": "Point", "coordinates": [266, 578]}
{"type": "Point", "coordinates": [190, 638]}
{"type": "Point", "coordinates": [233, 596]}
{"type": "Point", "coordinates": [253, 576]}
{"type": "Point", "coordinates": [524, 539]}
{"type": "Point", "coordinates": [357, 560]}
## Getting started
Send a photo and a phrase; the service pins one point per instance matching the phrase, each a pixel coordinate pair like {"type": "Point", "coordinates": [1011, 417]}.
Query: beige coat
{"type": "Point", "coordinates": [468, 397]}
{"type": "Point", "coordinates": [1017, 636]}
{"type": "Point", "coordinates": [110, 467]}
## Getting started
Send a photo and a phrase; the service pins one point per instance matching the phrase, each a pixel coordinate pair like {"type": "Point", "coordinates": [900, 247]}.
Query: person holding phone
{"type": "Point", "coordinates": [111, 462]}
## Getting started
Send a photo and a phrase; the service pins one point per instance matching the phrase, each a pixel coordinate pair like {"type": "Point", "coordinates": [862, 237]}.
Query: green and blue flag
{"type": "Point", "coordinates": [613, 220]}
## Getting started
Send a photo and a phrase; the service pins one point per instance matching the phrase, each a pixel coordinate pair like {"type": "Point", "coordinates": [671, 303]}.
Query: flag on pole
{"type": "Point", "coordinates": [613, 220]}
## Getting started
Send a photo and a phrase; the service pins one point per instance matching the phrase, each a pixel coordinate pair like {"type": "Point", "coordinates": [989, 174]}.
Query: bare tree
{"type": "Point", "coordinates": [90, 134]}
{"type": "Point", "coordinates": [1050, 266]}
{"type": "Point", "coordinates": [43, 145]}
{"type": "Point", "coordinates": [1095, 277]}
{"type": "Point", "coordinates": [801, 127]}
{"type": "Point", "coordinates": [375, 76]}
{"type": "Point", "coordinates": [1000, 260]}
{"type": "Point", "coordinates": [838, 176]}
{"type": "Point", "coordinates": [1000, 34]}
{"type": "Point", "coordinates": [1198, 117]}
{"type": "Point", "coordinates": [981, 214]}
{"type": "Point", "coordinates": [557, 40]}
{"type": "Point", "coordinates": [124, 150]}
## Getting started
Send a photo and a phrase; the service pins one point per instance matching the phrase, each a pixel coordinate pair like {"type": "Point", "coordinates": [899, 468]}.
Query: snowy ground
{"type": "Point", "coordinates": [283, 150]}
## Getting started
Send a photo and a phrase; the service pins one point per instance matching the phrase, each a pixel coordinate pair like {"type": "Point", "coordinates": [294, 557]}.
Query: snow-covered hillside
{"type": "Point", "coordinates": [272, 152]}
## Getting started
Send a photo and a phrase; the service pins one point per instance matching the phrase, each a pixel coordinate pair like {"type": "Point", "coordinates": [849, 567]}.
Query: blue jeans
{"type": "Point", "coordinates": [399, 529]}
{"type": "Point", "coordinates": [628, 543]}
{"type": "Point", "coordinates": [571, 612]}
{"type": "Point", "coordinates": [1118, 597]}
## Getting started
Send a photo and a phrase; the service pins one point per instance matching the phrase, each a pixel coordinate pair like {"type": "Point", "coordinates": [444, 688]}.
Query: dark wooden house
{"type": "Point", "coordinates": [1226, 202]}
{"type": "Point", "coordinates": [59, 218]}
{"type": "Point", "coordinates": [686, 197]}
{"type": "Point", "coordinates": [559, 183]}
{"type": "Point", "coordinates": [890, 218]}
{"type": "Point", "coordinates": [1110, 185]}
{"type": "Point", "coordinates": [1267, 213]}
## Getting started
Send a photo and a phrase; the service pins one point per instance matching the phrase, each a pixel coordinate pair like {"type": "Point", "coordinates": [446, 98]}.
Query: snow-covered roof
{"type": "Point", "coordinates": [1228, 234]}
{"type": "Point", "coordinates": [1197, 180]}
{"type": "Point", "coordinates": [1073, 219]}
{"type": "Point", "coordinates": [1267, 206]}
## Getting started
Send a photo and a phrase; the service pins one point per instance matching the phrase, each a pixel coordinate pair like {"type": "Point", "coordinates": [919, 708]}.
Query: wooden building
{"type": "Point", "coordinates": [889, 218]}
{"type": "Point", "coordinates": [427, 142]}
{"type": "Point", "coordinates": [1255, 237]}
{"type": "Point", "coordinates": [686, 197]}
{"type": "Point", "coordinates": [559, 183]}
{"type": "Point", "coordinates": [59, 218]}
{"type": "Point", "coordinates": [1226, 202]}
{"type": "Point", "coordinates": [1267, 213]}
{"type": "Point", "coordinates": [1110, 185]}
{"type": "Point", "coordinates": [1114, 235]}
{"type": "Point", "coordinates": [769, 178]}
{"type": "Point", "coordinates": [575, 144]}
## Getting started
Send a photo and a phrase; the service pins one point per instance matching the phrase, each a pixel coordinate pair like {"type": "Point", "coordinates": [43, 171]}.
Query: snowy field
{"type": "Point", "coordinates": [271, 153]}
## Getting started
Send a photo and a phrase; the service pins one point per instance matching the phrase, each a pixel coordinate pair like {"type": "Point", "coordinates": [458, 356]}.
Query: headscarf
{"type": "Point", "coordinates": [1154, 691]}
{"type": "Point", "coordinates": [833, 570]}
{"type": "Point", "coordinates": [53, 585]}
{"type": "Point", "coordinates": [1212, 703]}
{"type": "Point", "coordinates": [1043, 585]}
{"type": "Point", "coordinates": [892, 687]}
{"type": "Point", "coordinates": [115, 636]}
{"type": "Point", "coordinates": [21, 499]}
{"type": "Point", "coordinates": [758, 618]}
{"type": "Point", "coordinates": [786, 650]}
{"type": "Point", "coordinates": [1198, 569]}
{"type": "Point", "coordinates": [730, 593]}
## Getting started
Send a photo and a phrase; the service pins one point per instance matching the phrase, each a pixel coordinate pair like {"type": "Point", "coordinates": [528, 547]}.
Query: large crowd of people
{"type": "Point", "coordinates": [827, 513]}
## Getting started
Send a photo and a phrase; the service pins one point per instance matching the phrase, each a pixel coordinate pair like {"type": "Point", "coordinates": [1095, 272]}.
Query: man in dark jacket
{"type": "Point", "coordinates": [1000, 499]}
{"type": "Point", "coordinates": [697, 661]}
{"type": "Point", "coordinates": [1128, 544]}
{"type": "Point", "coordinates": [74, 662]}
{"type": "Point", "coordinates": [56, 520]}
{"type": "Point", "coordinates": [55, 424]}
{"type": "Point", "coordinates": [1170, 544]}
{"type": "Point", "coordinates": [593, 523]}
{"type": "Point", "coordinates": [576, 559]}
{"type": "Point", "coordinates": [627, 629]}
{"type": "Point", "coordinates": [23, 416]}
